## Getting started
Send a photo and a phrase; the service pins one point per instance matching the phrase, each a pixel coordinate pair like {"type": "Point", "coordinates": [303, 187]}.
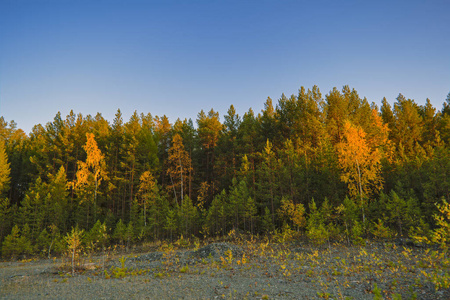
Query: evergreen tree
{"type": "Point", "coordinates": [315, 227]}
{"type": "Point", "coordinates": [227, 163]}
{"type": "Point", "coordinates": [209, 132]}
{"type": "Point", "coordinates": [216, 216]}
{"type": "Point", "coordinates": [4, 187]}
{"type": "Point", "coordinates": [266, 193]}
{"type": "Point", "coordinates": [407, 130]}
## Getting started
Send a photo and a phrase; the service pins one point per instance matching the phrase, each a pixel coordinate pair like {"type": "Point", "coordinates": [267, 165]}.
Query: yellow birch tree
{"type": "Point", "coordinates": [360, 164]}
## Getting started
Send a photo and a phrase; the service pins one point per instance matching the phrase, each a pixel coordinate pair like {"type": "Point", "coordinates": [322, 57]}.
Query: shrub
{"type": "Point", "coordinates": [16, 243]}
{"type": "Point", "coordinates": [381, 231]}
{"type": "Point", "coordinates": [74, 244]}
{"type": "Point", "coordinates": [120, 232]}
{"type": "Point", "coordinates": [441, 235]}
{"type": "Point", "coordinates": [315, 228]}
{"type": "Point", "coordinates": [97, 237]}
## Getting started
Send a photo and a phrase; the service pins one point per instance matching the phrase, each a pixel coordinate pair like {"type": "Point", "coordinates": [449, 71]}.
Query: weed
{"type": "Point", "coordinates": [107, 275]}
{"type": "Point", "coordinates": [324, 295]}
{"type": "Point", "coordinates": [184, 269]}
{"type": "Point", "coordinates": [376, 292]}
{"type": "Point", "coordinates": [396, 297]}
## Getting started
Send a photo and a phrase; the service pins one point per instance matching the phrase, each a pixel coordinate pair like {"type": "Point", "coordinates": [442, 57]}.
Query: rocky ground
{"type": "Point", "coordinates": [244, 270]}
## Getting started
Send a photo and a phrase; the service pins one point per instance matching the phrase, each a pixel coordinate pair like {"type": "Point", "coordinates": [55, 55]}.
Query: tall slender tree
{"type": "Point", "coordinates": [90, 175]}
{"type": "Point", "coordinates": [179, 167]}
{"type": "Point", "coordinates": [4, 187]}
{"type": "Point", "coordinates": [4, 169]}
{"type": "Point", "coordinates": [361, 166]}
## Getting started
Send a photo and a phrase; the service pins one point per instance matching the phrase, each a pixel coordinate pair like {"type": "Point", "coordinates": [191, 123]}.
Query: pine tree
{"type": "Point", "coordinates": [250, 212]}
{"type": "Point", "coordinates": [266, 221]}
{"type": "Point", "coordinates": [5, 216]}
{"type": "Point", "coordinates": [57, 205]}
{"type": "Point", "coordinates": [408, 125]}
{"type": "Point", "coordinates": [267, 195]}
{"type": "Point", "coordinates": [215, 217]}
{"type": "Point", "coordinates": [16, 243]}
{"type": "Point", "coordinates": [315, 228]}
{"type": "Point", "coordinates": [209, 131]}
{"type": "Point", "coordinates": [187, 214]}
{"type": "Point", "coordinates": [130, 163]}
{"type": "Point", "coordinates": [350, 216]}
{"type": "Point", "coordinates": [4, 187]}
{"type": "Point", "coordinates": [227, 163]}
{"type": "Point", "coordinates": [113, 161]}
{"type": "Point", "coordinates": [268, 122]}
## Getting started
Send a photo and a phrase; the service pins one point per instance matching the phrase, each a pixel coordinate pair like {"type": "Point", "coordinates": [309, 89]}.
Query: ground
{"type": "Point", "coordinates": [236, 270]}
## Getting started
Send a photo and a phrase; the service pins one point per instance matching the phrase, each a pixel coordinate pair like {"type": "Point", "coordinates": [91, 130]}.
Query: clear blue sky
{"type": "Point", "coordinates": [178, 57]}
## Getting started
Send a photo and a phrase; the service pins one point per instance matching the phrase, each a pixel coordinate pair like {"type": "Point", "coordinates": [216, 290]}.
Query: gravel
{"type": "Point", "coordinates": [252, 271]}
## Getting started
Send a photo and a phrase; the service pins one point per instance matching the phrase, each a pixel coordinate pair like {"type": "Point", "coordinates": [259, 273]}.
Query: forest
{"type": "Point", "coordinates": [332, 167]}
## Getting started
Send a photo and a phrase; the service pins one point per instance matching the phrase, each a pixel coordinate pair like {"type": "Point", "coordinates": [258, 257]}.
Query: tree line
{"type": "Point", "coordinates": [329, 167]}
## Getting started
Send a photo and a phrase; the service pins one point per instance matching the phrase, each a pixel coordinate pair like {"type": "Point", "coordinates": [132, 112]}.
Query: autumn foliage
{"type": "Point", "coordinates": [324, 168]}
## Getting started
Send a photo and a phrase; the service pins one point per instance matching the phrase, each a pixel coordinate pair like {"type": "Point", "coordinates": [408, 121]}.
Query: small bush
{"type": "Point", "coordinates": [16, 243]}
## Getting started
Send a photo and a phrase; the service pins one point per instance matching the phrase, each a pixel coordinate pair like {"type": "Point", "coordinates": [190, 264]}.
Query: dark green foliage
{"type": "Point", "coordinates": [50, 242]}
{"type": "Point", "coordinates": [266, 222]}
{"type": "Point", "coordinates": [216, 216]}
{"type": "Point", "coordinates": [242, 173]}
{"type": "Point", "coordinates": [97, 237]}
{"type": "Point", "coordinates": [316, 229]}
{"type": "Point", "coordinates": [17, 243]}
{"type": "Point", "coordinates": [120, 232]}
{"type": "Point", "coordinates": [188, 217]}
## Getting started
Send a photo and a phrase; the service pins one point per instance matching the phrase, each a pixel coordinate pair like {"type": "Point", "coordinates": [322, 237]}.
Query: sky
{"type": "Point", "coordinates": [177, 58]}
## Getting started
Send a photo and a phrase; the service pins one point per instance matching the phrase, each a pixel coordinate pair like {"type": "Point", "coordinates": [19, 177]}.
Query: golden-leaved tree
{"type": "Point", "coordinates": [179, 166]}
{"type": "Point", "coordinates": [360, 164]}
{"type": "Point", "coordinates": [90, 174]}
{"type": "Point", "coordinates": [4, 169]}
{"type": "Point", "coordinates": [147, 191]}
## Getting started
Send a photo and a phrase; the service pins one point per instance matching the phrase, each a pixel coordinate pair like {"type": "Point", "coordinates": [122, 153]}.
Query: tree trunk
{"type": "Point", "coordinates": [360, 194]}
{"type": "Point", "coordinates": [181, 173]}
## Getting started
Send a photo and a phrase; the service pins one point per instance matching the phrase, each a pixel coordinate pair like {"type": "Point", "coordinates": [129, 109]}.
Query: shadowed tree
{"type": "Point", "coordinates": [227, 149]}
{"type": "Point", "coordinates": [209, 131]}
{"type": "Point", "coordinates": [4, 187]}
